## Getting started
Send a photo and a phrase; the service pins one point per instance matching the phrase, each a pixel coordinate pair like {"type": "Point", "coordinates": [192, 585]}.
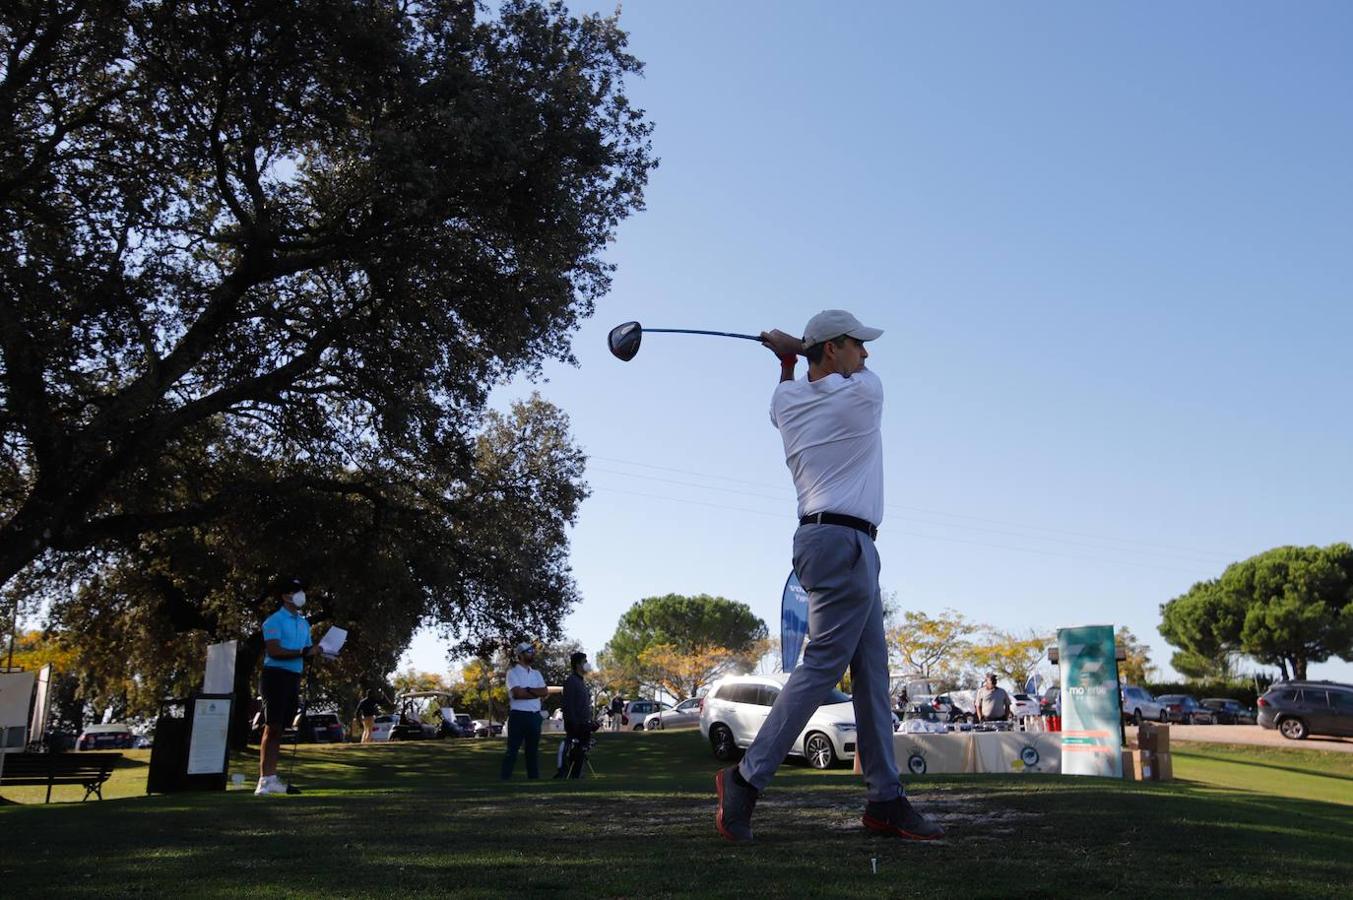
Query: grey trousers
{"type": "Point", "coordinates": [839, 568]}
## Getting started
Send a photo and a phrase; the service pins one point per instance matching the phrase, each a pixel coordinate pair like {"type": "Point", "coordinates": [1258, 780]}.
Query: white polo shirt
{"type": "Point", "coordinates": [833, 440]}
{"type": "Point", "coordinates": [520, 676]}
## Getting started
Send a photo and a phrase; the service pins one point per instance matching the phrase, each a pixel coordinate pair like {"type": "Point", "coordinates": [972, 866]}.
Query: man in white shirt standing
{"type": "Point", "coordinates": [525, 689]}
{"type": "Point", "coordinates": [830, 426]}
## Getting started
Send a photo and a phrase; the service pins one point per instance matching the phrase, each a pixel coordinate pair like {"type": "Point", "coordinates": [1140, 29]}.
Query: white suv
{"type": "Point", "coordinates": [736, 706]}
{"type": "Point", "coordinates": [1139, 705]}
{"type": "Point", "coordinates": [636, 711]}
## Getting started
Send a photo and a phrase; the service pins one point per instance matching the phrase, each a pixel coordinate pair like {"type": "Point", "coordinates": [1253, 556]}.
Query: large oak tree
{"type": "Point", "coordinates": [292, 242]}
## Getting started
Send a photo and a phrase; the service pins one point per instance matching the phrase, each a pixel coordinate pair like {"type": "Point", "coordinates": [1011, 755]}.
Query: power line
{"type": "Point", "coordinates": [1179, 554]}
{"type": "Point", "coordinates": [931, 537]}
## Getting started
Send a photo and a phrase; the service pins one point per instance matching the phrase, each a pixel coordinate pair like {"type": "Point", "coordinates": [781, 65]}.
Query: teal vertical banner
{"type": "Point", "coordinates": [1092, 712]}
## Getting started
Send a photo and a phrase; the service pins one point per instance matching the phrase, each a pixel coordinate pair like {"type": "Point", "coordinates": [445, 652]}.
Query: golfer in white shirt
{"type": "Point", "coordinates": [525, 688]}
{"type": "Point", "coordinates": [830, 425]}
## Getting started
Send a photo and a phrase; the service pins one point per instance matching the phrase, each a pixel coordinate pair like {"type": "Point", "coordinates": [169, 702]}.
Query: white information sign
{"type": "Point", "coordinates": [16, 692]}
{"type": "Point", "coordinates": [211, 729]}
{"type": "Point", "coordinates": [220, 677]}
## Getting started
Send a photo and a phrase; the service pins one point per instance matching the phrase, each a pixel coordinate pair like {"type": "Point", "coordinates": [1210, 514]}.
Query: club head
{"type": "Point", "coordinates": [624, 340]}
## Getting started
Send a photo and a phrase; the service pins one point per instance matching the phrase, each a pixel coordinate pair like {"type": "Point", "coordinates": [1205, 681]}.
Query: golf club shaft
{"type": "Point", "coordinates": [745, 337]}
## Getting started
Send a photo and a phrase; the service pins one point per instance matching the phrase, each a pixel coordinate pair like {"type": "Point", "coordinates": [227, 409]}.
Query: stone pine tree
{"type": "Point", "coordinates": [678, 643]}
{"type": "Point", "coordinates": [1288, 607]}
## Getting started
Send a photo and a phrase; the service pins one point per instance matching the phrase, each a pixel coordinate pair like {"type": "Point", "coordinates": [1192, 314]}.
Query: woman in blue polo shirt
{"type": "Point", "coordinates": [286, 633]}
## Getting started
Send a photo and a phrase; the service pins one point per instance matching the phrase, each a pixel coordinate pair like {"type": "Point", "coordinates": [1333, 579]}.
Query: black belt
{"type": "Point", "coordinates": [837, 519]}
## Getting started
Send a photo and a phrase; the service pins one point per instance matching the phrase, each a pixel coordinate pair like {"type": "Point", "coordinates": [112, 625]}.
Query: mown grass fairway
{"type": "Point", "coordinates": [430, 819]}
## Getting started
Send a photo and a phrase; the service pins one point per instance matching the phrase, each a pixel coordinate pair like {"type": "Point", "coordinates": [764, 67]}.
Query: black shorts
{"type": "Point", "coordinates": [281, 693]}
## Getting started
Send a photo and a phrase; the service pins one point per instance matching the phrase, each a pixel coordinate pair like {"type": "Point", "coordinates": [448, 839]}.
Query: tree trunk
{"type": "Point", "coordinates": [1282, 664]}
{"type": "Point", "coordinates": [1299, 668]}
{"type": "Point", "coordinates": [246, 665]}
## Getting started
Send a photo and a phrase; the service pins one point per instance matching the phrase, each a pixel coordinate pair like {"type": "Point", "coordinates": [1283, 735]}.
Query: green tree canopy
{"type": "Point", "coordinates": [377, 564]}
{"type": "Point", "coordinates": [1289, 607]}
{"type": "Point", "coordinates": [685, 625]}
{"type": "Point", "coordinates": [252, 242]}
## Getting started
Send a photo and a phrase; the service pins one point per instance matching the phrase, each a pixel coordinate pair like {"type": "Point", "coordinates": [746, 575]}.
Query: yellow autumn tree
{"type": "Point", "coordinates": [682, 673]}
{"type": "Point", "coordinates": [1135, 667]}
{"type": "Point", "coordinates": [1012, 656]}
{"type": "Point", "coordinates": [931, 647]}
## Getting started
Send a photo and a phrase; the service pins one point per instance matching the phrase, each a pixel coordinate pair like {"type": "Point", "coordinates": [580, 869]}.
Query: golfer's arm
{"type": "Point", "coordinates": [277, 651]}
{"type": "Point", "coordinates": [787, 364]}
{"type": "Point", "coordinates": [529, 693]}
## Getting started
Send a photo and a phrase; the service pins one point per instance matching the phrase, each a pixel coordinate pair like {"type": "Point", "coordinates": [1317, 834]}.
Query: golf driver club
{"type": "Point", "coordinates": [624, 338]}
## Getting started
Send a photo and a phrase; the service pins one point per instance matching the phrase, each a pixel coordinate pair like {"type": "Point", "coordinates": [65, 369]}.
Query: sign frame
{"type": "Point", "coordinates": [207, 754]}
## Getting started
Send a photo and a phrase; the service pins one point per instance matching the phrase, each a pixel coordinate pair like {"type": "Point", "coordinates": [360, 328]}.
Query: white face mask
{"type": "Point", "coordinates": [588, 668]}
{"type": "Point", "coordinates": [298, 599]}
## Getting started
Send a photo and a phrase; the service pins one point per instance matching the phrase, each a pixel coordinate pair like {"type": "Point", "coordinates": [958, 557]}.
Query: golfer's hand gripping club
{"type": "Point", "coordinates": [785, 346]}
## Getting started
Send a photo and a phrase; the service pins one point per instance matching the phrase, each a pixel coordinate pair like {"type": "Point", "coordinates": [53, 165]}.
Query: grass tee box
{"type": "Point", "coordinates": [431, 819]}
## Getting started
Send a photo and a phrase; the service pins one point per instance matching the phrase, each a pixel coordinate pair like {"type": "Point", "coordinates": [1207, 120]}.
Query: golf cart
{"type": "Point", "coordinates": [415, 705]}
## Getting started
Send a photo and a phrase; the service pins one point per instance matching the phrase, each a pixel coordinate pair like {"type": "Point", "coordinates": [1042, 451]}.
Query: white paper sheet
{"type": "Point", "coordinates": [333, 641]}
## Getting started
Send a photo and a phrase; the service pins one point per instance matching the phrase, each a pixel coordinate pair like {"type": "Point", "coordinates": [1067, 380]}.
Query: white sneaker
{"type": "Point", "coordinates": [270, 784]}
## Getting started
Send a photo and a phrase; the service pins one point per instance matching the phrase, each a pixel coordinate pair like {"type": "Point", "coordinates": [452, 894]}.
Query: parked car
{"type": "Point", "coordinates": [685, 714]}
{"type": "Point", "coordinates": [384, 725]}
{"type": "Point", "coordinates": [636, 711]}
{"type": "Point", "coordinates": [737, 705]}
{"type": "Point", "coordinates": [1024, 705]}
{"type": "Point", "coordinates": [465, 724]}
{"type": "Point", "coordinates": [1186, 710]}
{"type": "Point", "coordinates": [945, 707]}
{"type": "Point", "coordinates": [1302, 708]}
{"type": "Point", "coordinates": [923, 711]}
{"type": "Point", "coordinates": [59, 741]}
{"type": "Point", "coordinates": [1139, 706]}
{"type": "Point", "coordinates": [320, 728]}
{"type": "Point", "coordinates": [398, 727]}
{"type": "Point", "coordinates": [1050, 704]}
{"type": "Point", "coordinates": [1230, 712]}
{"type": "Point", "coordinates": [114, 736]}
{"type": "Point", "coordinates": [485, 728]}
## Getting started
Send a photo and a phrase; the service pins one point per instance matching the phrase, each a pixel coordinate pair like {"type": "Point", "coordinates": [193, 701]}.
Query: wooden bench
{"type": "Point", "coordinates": [89, 770]}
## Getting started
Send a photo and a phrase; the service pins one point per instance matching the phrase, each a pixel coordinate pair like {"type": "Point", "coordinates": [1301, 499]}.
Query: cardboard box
{"type": "Point", "coordinates": [1139, 765]}
{"type": "Point", "coordinates": [1153, 737]}
{"type": "Point", "coordinates": [1164, 768]}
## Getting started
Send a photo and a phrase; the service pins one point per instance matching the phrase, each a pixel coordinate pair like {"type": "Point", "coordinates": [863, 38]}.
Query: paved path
{"type": "Point", "coordinates": [1252, 734]}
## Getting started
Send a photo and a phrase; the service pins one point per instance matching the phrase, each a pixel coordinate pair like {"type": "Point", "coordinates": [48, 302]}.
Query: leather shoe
{"type": "Point", "coordinates": [899, 818]}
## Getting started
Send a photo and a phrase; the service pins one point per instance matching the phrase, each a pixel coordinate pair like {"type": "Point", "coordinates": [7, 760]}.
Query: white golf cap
{"type": "Point", "coordinates": [832, 323]}
{"type": "Point", "coordinates": [526, 647]}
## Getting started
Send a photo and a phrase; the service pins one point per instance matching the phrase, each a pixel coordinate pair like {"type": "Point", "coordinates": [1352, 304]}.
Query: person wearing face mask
{"type": "Point", "coordinates": [286, 634]}
{"type": "Point", "coordinates": [525, 689]}
{"type": "Point", "coordinates": [578, 722]}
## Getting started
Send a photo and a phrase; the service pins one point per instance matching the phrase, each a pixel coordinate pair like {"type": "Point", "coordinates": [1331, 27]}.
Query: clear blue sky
{"type": "Point", "coordinates": [1112, 250]}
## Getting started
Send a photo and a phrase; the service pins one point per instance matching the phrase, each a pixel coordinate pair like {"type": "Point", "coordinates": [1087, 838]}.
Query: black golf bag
{"type": "Point", "coordinates": [573, 759]}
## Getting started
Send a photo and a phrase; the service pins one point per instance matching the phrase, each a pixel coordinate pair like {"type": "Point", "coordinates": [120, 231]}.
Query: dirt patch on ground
{"type": "Point", "coordinates": [965, 816]}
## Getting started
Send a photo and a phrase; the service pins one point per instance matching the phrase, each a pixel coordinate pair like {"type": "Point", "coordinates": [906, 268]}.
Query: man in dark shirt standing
{"type": "Point", "coordinates": [578, 722]}
{"type": "Point", "coordinates": [366, 711]}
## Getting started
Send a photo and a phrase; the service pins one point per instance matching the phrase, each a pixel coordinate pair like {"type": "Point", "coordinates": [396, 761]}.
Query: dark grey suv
{"type": "Point", "coordinates": [1301, 708]}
